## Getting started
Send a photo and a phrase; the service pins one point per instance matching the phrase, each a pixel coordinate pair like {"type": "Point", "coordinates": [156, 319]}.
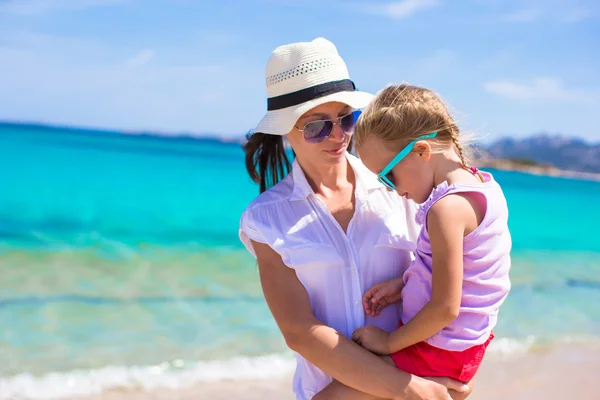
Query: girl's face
{"type": "Point", "coordinates": [412, 177]}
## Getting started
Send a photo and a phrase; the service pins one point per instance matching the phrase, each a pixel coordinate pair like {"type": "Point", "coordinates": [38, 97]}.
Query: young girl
{"type": "Point", "coordinates": [452, 291]}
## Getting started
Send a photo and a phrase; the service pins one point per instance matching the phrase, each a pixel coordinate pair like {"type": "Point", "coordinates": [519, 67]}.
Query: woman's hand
{"type": "Point", "coordinates": [434, 389]}
{"type": "Point", "coordinates": [382, 295]}
{"type": "Point", "coordinates": [373, 339]}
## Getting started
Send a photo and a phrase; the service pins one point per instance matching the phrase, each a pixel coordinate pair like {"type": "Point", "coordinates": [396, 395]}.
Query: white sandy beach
{"type": "Point", "coordinates": [568, 372]}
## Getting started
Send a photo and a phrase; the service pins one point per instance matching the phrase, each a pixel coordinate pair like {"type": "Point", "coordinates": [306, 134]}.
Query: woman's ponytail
{"type": "Point", "coordinates": [267, 161]}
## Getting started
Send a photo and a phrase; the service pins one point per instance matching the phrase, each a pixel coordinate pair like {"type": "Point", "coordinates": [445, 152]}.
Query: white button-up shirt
{"type": "Point", "coordinates": [334, 267]}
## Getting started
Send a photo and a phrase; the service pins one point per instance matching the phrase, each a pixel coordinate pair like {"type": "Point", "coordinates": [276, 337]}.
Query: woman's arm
{"type": "Point", "coordinates": [333, 353]}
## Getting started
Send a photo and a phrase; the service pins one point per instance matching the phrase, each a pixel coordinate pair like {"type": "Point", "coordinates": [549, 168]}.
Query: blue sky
{"type": "Point", "coordinates": [512, 67]}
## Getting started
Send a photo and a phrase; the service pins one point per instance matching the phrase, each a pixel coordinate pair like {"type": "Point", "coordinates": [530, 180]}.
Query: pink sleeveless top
{"type": "Point", "coordinates": [486, 266]}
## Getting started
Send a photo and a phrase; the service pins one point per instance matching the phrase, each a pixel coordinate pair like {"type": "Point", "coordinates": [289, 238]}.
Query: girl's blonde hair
{"type": "Point", "coordinates": [402, 113]}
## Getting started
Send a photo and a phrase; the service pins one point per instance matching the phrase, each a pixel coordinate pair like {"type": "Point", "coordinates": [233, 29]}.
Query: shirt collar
{"type": "Point", "coordinates": [301, 187]}
{"type": "Point", "coordinates": [366, 180]}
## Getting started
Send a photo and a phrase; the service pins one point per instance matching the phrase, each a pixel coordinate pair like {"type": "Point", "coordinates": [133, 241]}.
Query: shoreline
{"type": "Point", "coordinates": [553, 373]}
{"type": "Point", "coordinates": [541, 170]}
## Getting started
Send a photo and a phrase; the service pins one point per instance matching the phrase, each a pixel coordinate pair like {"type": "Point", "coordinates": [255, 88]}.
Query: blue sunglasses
{"type": "Point", "coordinates": [383, 175]}
{"type": "Point", "coordinates": [318, 131]}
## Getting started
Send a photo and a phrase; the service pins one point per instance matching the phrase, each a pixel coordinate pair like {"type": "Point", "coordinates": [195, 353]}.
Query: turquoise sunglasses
{"type": "Point", "coordinates": [383, 175]}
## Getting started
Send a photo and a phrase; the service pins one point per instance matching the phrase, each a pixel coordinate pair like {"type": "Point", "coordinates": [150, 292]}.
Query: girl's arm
{"type": "Point", "coordinates": [333, 353]}
{"type": "Point", "coordinates": [382, 295]}
{"type": "Point", "coordinates": [446, 223]}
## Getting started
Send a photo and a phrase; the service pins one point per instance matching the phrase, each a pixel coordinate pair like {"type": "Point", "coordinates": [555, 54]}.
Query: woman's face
{"type": "Point", "coordinates": [330, 151]}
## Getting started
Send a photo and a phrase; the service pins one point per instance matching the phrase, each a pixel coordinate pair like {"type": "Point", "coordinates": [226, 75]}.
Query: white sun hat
{"type": "Point", "coordinates": [301, 76]}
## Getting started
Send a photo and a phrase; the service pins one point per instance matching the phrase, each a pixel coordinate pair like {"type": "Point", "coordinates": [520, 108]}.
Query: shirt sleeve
{"type": "Point", "coordinates": [250, 230]}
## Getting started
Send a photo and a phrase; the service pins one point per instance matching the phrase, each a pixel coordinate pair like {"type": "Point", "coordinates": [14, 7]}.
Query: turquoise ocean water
{"type": "Point", "coordinates": [121, 265]}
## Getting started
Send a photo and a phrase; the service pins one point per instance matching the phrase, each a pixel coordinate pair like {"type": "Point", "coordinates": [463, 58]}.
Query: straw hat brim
{"type": "Point", "coordinates": [281, 122]}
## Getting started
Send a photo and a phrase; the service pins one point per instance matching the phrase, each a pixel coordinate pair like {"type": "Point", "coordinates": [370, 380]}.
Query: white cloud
{"type": "Point", "coordinates": [438, 63]}
{"type": "Point", "coordinates": [36, 7]}
{"type": "Point", "coordinates": [80, 82]}
{"type": "Point", "coordinates": [576, 15]}
{"type": "Point", "coordinates": [525, 15]}
{"type": "Point", "coordinates": [140, 59]}
{"type": "Point", "coordinates": [549, 12]}
{"type": "Point", "coordinates": [401, 9]}
{"type": "Point", "coordinates": [43, 42]}
{"type": "Point", "coordinates": [538, 89]}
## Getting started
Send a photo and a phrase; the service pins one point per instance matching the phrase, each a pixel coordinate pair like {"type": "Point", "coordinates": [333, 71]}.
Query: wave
{"type": "Point", "coordinates": [74, 231]}
{"type": "Point", "coordinates": [40, 301]}
{"type": "Point", "coordinates": [174, 375]}
{"type": "Point", "coordinates": [179, 374]}
{"type": "Point", "coordinates": [95, 300]}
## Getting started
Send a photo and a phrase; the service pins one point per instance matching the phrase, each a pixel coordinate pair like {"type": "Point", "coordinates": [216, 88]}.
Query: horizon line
{"type": "Point", "coordinates": [223, 137]}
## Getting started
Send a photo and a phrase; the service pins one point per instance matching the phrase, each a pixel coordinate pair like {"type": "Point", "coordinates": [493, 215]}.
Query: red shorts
{"type": "Point", "coordinates": [423, 359]}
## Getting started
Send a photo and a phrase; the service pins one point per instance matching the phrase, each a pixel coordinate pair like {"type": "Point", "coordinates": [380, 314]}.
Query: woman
{"type": "Point", "coordinates": [328, 230]}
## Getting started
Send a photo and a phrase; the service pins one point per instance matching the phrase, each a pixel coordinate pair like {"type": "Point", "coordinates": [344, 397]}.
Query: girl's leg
{"type": "Point", "coordinates": [338, 391]}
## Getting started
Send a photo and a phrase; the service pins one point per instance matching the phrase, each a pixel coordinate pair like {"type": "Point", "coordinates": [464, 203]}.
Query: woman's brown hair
{"type": "Point", "coordinates": [267, 160]}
